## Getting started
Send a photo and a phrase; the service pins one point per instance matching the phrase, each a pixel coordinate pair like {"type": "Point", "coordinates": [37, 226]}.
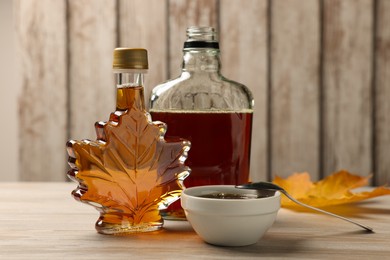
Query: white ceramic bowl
{"type": "Point", "coordinates": [229, 222]}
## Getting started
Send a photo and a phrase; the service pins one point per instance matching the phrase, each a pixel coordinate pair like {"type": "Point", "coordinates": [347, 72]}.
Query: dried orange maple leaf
{"type": "Point", "coordinates": [332, 190]}
{"type": "Point", "coordinates": [130, 171]}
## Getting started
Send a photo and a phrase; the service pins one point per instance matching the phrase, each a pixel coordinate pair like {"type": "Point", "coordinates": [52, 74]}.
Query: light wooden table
{"type": "Point", "coordinates": [42, 221]}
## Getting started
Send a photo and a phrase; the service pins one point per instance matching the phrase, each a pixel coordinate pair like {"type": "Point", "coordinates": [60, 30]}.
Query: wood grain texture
{"type": "Point", "coordinates": [47, 223]}
{"type": "Point", "coordinates": [182, 14]}
{"type": "Point", "coordinates": [295, 43]}
{"type": "Point", "coordinates": [143, 24]}
{"type": "Point", "coordinates": [41, 39]}
{"type": "Point", "coordinates": [347, 86]}
{"type": "Point", "coordinates": [92, 36]}
{"type": "Point", "coordinates": [382, 98]}
{"type": "Point", "coordinates": [243, 41]}
{"type": "Point", "coordinates": [347, 109]}
{"type": "Point", "coordinates": [10, 91]}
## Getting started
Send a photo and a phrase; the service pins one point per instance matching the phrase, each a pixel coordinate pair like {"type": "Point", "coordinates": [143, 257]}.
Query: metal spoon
{"type": "Point", "coordinates": [271, 186]}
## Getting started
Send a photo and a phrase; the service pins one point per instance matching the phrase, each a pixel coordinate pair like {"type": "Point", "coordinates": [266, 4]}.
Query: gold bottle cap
{"type": "Point", "coordinates": [130, 58]}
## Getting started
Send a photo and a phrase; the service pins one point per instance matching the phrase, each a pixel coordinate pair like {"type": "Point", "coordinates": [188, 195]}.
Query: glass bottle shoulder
{"type": "Point", "coordinates": [201, 91]}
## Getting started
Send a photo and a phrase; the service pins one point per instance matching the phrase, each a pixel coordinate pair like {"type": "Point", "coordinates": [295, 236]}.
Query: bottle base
{"type": "Point", "coordinates": [117, 229]}
{"type": "Point", "coordinates": [123, 226]}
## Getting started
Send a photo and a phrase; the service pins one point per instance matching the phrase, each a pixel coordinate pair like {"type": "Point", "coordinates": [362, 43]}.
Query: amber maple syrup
{"type": "Point", "coordinates": [220, 147]}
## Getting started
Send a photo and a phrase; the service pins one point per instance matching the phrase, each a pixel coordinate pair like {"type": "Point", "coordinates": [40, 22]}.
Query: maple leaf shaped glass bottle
{"type": "Point", "coordinates": [130, 172]}
{"type": "Point", "coordinates": [214, 113]}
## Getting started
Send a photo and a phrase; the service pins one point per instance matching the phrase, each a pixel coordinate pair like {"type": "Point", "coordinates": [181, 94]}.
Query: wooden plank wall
{"type": "Point", "coordinates": [347, 79]}
{"type": "Point", "coordinates": [294, 88]}
{"type": "Point", "coordinates": [319, 71]}
{"type": "Point", "coordinates": [381, 87]}
{"type": "Point", "coordinates": [91, 39]}
{"type": "Point", "coordinates": [42, 45]}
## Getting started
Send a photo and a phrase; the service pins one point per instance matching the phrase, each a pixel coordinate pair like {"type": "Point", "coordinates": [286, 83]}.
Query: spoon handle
{"type": "Point", "coordinates": [326, 212]}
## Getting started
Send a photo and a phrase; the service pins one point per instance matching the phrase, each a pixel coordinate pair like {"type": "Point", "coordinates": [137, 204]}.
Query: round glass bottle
{"type": "Point", "coordinates": [212, 112]}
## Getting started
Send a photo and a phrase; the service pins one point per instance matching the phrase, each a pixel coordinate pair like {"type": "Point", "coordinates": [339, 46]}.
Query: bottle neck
{"type": "Point", "coordinates": [201, 60]}
{"type": "Point", "coordinates": [130, 90]}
